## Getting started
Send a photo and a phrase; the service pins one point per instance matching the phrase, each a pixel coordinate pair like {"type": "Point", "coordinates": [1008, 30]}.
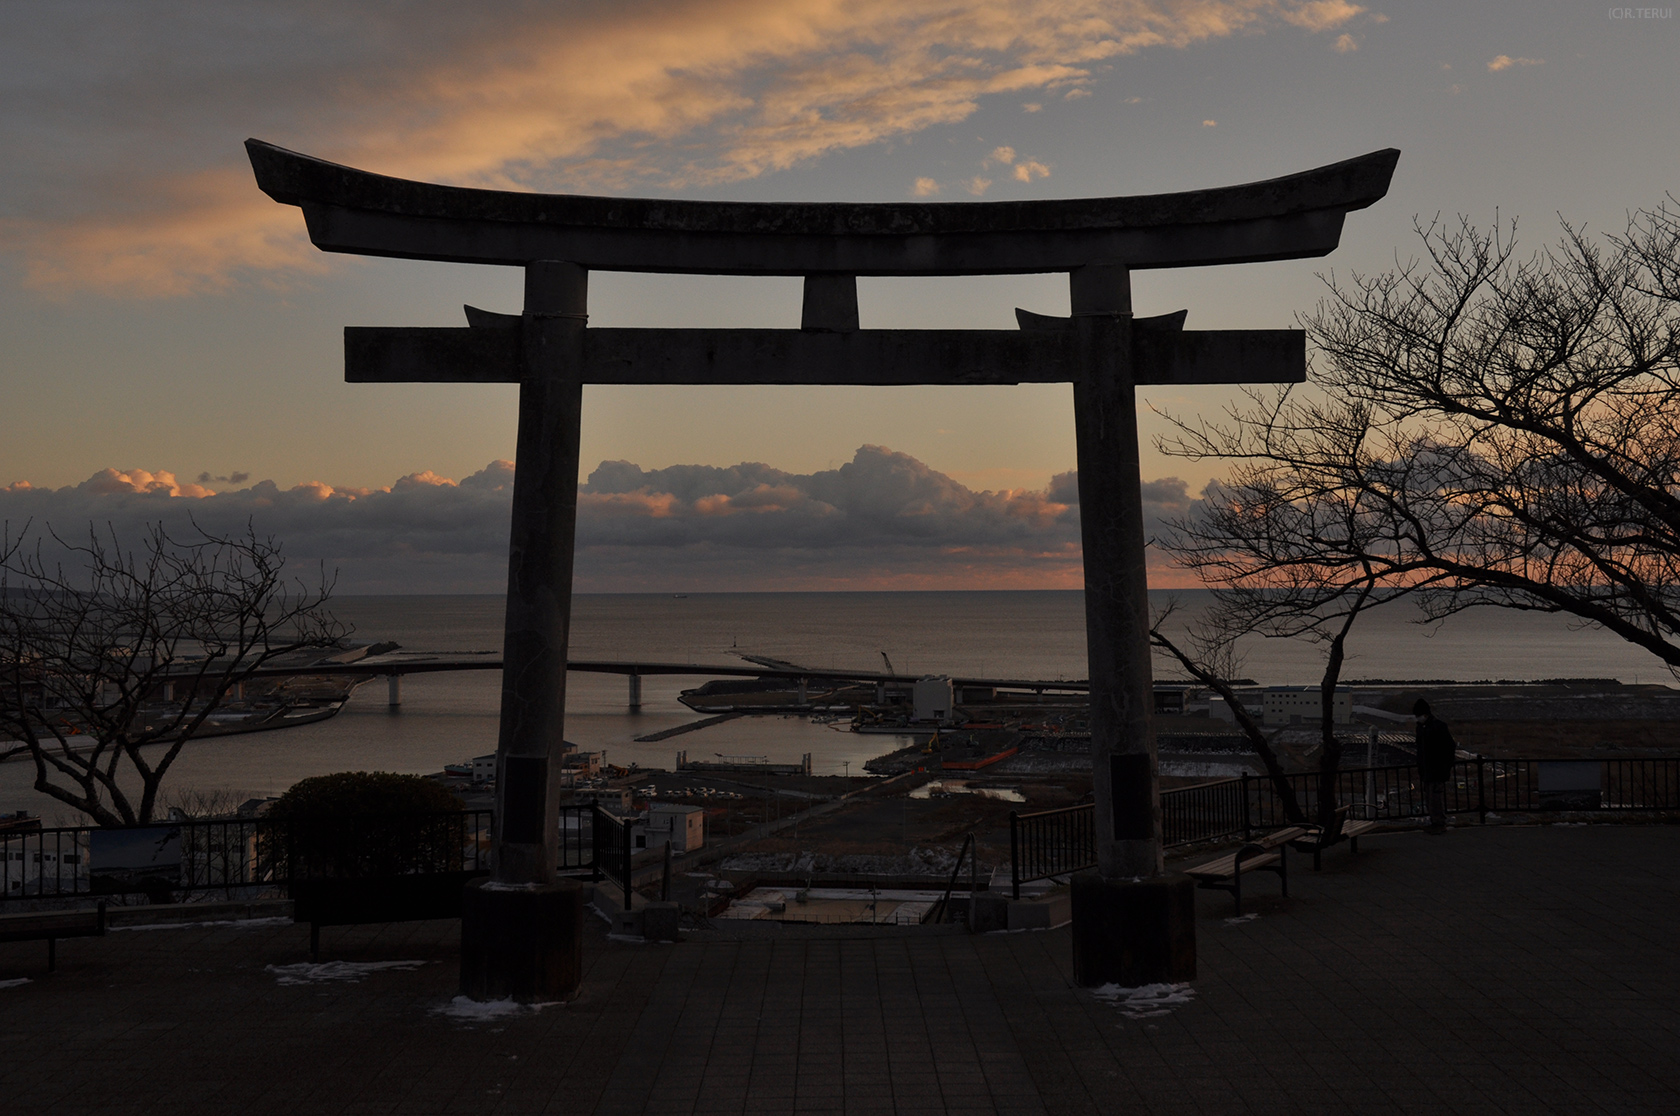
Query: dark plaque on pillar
{"type": "Point", "coordinates": [524, 788]}
{"type": "Point", "coordinates": [1131, 781]}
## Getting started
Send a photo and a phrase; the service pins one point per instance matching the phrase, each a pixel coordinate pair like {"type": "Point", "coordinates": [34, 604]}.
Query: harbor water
{"type": "Point", "coordinates": [450, 717]}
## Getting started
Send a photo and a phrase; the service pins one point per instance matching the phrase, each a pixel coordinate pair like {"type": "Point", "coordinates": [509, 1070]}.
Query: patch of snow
{"type": "Point", "coordinates": [252, 923]}
{"type": "Point", "coordinates": [1240, 919]}
{"type": "Point", "coordinates": [13, 983]}
{"type": "Point", "coordinates": [326, 971]}
{"type": "Point", "coordinates": [1147, 1001]}
{"type": "Point", "coordinates": [943, 788]}
{"type": "Point", "coordinates": [485, 1011]}
{"type": "Point", "coordinates": [632, 939]}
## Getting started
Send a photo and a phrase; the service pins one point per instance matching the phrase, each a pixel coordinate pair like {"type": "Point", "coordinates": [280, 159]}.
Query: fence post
{"type": "Point", "coordinates": [1248, 829]}
{"type": "Point", "coordinates": [626, 866]}
{"type": "Point", "coordinates": [1481, 787]}
{"type": "Point", "coordinates": [1014, 854]}
{"type": "Point", "coordinates": [595, 835]}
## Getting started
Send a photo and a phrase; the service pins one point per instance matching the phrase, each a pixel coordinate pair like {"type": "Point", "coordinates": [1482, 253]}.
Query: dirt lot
{"type": "Point", "coordinates": [922, 832]}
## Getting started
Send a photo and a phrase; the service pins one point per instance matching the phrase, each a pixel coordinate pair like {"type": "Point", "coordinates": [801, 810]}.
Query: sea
{"type": "Point", "coordinates": [446, 718]}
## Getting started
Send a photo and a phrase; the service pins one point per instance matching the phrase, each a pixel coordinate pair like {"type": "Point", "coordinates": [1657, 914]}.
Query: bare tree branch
{"type": "Point", "coordinates": [1212, 661]}
{"type": "Point", "coordinates": [112, 659]}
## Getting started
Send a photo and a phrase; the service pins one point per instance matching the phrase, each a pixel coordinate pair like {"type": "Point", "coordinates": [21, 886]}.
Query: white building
{"type": "Point", "coordinates": [484, 768]}
{"type": "Point", "coordinates": [1301, 705]}
{"type": "Point", "coordinates": [683, 826]}
{"type": "Point", "coordinates": [1219, 711]}
{"type": "Point", "coordinates": [932, 699]}
{"type": "Point", "coordinates": [22, 864]}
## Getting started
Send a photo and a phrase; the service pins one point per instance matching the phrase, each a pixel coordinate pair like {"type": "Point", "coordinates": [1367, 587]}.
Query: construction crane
{"type": "Point", "coordinates": [888, 661]}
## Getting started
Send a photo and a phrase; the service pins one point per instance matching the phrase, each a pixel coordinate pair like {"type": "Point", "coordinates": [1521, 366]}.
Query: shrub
{"type": "Point", "coordinates": [358, 824]}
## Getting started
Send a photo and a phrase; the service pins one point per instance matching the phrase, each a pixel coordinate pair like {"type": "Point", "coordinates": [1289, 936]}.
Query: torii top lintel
{"type": "Point", "coordinates": [354, 211]}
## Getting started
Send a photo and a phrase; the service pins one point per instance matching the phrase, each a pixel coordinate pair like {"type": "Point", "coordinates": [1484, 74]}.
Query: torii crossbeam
{"type": "Point", "coordinates": [1131, 925]}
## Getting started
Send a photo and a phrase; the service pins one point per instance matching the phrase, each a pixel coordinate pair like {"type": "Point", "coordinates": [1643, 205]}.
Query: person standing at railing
{"type": "Point", "coordinates": [1436, 750]}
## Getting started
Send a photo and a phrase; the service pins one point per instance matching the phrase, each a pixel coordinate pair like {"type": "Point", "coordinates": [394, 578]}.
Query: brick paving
{"type": "Point", "coordinates": [1508, 970]}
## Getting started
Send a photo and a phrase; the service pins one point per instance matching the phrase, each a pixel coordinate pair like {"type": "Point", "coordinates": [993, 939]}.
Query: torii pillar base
{"type": "Point", "coordinates": [522, 943]}
{"type": "Point", "coordinates": [1133, 932]}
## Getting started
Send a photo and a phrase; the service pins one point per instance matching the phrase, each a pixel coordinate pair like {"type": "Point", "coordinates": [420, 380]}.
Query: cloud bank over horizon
{"type": "Point", "coordinates": [883, 520]}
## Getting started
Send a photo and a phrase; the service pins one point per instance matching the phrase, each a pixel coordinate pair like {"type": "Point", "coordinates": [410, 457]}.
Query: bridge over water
{"type": "Point", "coordinates": [394, 669]}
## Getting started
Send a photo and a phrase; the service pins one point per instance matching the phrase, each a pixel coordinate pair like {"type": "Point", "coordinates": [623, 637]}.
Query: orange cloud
{"type": "Point", "coordinates": [425, 478]}
{"type": "Point", "coordinates": [667, 93]}
{"type": "Point", "coordinates": [652, 505]}
{"type": "Point", "coordinates": [139, 482]}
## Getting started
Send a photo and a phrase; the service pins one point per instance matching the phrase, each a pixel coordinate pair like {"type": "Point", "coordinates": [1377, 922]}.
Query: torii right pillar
{"type": "Point", "coordinates": [1132, 924]}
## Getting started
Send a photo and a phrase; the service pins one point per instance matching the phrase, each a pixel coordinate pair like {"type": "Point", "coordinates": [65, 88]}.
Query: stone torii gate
{"type": "Point", "coordinates": [1132, 924]}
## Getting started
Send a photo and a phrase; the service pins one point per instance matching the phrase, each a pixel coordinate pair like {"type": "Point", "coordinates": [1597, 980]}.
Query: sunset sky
{"type": "Point", "coordinates": [171, 341]}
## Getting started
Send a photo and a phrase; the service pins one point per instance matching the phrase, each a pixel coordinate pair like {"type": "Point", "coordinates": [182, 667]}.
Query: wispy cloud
{"type": "Point", "coordinates": [1506, 62]}
{"type": "Point", "coordinates": [124, 121]}
{"type": "Point", "coordinates": [882, 520]}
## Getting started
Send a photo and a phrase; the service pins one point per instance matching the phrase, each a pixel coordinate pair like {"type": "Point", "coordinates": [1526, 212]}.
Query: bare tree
{"type": "Point", "coordinates": [1525, 418]}
{"type": "Point", "coordinates": [112, 659]}
{"type": "Point", "coordinates": [1293, 542]}
{"type": "Point", "coordinates": [1479, 430]}
{"type": "Point", "coordinates": [1209, 656]}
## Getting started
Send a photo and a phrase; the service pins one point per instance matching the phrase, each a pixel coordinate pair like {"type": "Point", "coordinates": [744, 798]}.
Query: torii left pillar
{"type": "Point", "coordinates": [1132, 924]}
{"type": "Point", "coordinates": [522, 930]}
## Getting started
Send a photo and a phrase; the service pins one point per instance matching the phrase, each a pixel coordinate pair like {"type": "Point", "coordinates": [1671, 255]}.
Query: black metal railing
{"type": "Point", "coordinates": [1057, 842]}
{"type": "Point", "coordinates": [1205, 812]}
{"type": "Point", "coordinates": [612, 852]}
{"type": "Point", "coordinates": [1377, 793]}
{"type": "Point", "coordinates": [1050, 843]}
{"type": "Point", "coordinates": [1641, 784]}
{"type": "Point", "coordinates": [179, 859]}
{"type": "Point", "coordinates": [41, 862]}
{"type": "Point", "coordinates": [577, 838]}
{"type": "Point", "coordinates": [187, 858]}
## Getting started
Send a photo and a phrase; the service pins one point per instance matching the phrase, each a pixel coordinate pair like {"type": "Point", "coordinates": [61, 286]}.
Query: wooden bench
{"type": "Point", "coordinates": [33, 926]}
{"type": "Point", "coordinates": [1320, 839]}
{"type": "Point", "coordinates": [1268, 854]}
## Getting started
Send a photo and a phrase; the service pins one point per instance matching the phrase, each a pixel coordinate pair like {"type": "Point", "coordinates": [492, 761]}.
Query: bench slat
{"type": "Point", "coordinates": [1293, 833]}
{"type": "Point", "coordinates": [1225, 866]}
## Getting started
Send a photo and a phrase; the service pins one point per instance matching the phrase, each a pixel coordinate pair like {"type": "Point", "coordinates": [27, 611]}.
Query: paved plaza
{"type": "Point", "coordinates": [1493, 970]}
